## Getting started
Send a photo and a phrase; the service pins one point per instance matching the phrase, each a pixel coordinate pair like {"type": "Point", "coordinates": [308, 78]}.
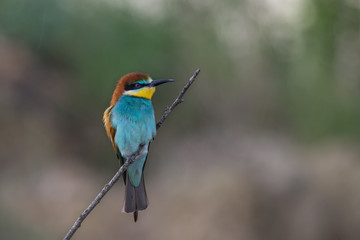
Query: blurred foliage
{"type": "Point", "coordinates": [324, 80]}
{"type": "Point", "coordinates": [99, 43]}
{"type": "Point", "coordinates": [313, 75]}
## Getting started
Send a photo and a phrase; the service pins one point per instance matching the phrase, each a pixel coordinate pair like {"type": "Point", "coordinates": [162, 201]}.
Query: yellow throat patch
{"type": "Point", "coordinates": [142, 93]}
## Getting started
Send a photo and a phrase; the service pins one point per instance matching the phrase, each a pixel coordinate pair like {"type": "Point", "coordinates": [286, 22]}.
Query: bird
{"type": "Point", "coordinates": [130, 123]}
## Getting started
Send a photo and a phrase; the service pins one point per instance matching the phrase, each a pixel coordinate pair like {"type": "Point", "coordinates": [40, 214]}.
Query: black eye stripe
{"type": "Point", "coordinates": [135, 86]}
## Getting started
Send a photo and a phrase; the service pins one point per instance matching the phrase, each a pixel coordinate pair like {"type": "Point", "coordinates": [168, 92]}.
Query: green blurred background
{"type": "Point", "coordinates": [265, 146]}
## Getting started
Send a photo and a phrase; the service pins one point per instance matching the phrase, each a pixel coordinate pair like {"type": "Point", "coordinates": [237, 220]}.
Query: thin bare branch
{"type": "Point", "coordinates": [129, 161]}
{"type": "Point", "coordinates": [102, 193]}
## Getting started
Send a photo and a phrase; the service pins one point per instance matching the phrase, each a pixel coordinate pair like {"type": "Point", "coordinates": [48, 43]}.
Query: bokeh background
{"type": "Point", "coordinates": [265, 146]}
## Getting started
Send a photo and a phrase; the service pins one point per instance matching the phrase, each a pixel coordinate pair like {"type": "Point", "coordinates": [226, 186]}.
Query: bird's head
{"type": "Point", "coordinates": [137, 85]}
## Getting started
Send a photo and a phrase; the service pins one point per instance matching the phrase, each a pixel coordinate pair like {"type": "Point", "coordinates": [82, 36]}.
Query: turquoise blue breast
{"type": "Point", "coordinates": [134, 121]}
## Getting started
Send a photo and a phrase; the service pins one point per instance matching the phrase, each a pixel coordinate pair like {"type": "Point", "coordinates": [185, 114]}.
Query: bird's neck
{"type": "Point", "coordinates": [133, 100]}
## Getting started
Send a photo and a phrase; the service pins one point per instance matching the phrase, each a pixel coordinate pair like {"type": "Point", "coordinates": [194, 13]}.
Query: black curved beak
{"type": "Point", "coordinates": [160, 81]}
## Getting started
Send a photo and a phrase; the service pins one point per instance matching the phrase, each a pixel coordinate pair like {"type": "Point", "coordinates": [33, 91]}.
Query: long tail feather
{"type": "Point", "coordinates": [135, 197]}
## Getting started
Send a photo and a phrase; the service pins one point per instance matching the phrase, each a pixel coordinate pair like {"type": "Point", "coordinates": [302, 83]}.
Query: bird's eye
{"type": "Point", "coordinates": [137, 85]}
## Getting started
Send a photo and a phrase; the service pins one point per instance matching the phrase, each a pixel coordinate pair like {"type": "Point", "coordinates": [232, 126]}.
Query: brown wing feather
{"type": "Point", "coordinates": [110, 131]}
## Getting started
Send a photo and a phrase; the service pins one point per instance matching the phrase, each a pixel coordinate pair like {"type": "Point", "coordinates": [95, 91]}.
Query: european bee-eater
{"type": "Point", "coordinates": [129, 123]}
